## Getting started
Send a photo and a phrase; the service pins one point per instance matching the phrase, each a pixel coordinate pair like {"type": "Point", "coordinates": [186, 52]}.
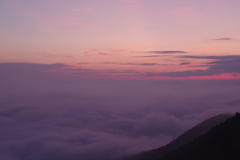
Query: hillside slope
{"type": "Point", "coordinates": [186, 137]}
{"type": "Point", "coordinates": [220, 143]}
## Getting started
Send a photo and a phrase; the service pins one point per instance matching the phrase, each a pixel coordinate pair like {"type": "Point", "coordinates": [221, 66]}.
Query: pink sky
{"type": "Point", "coordinates": [140, 36]}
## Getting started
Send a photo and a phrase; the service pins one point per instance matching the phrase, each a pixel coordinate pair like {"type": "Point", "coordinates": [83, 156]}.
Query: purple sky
{"type": "Point", "coordinates": [96, 80]}
{"type": "Point", "coordinates": [47, 116]}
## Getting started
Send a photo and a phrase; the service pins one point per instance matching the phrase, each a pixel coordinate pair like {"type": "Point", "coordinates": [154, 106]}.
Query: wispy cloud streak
{"type": "Point", "coordinates": [228, 57]}
{"type": "Point", "coordinates": [166, 52]}
{"type": "Point", "coordinates": [222, 39]}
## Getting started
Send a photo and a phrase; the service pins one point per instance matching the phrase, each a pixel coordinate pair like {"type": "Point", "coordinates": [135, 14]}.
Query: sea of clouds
{"type": "Point", "coordinates": [46, 115]}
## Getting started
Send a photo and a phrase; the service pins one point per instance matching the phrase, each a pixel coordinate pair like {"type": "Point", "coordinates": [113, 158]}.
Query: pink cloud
{"type": "Point", "coordinates": [103, 54]}
{"type": "Point", "coordinates": [86, 54]}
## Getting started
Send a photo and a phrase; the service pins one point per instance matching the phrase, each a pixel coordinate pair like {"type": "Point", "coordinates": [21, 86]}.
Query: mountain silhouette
{"type": "Point", "coordinates": [186, 137]}
{"type": "Point", "coordinates": [220, 143]}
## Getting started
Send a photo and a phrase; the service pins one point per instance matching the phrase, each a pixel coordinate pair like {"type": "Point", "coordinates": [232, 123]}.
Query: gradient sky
{"type": "Point", "coordinates": [124, 39]}
{"type": "Point", "coordinates": [99, 79]}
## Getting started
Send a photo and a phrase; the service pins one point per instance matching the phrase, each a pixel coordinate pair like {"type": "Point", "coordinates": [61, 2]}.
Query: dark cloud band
{"type": "Point", "coordinates": [222, 39]}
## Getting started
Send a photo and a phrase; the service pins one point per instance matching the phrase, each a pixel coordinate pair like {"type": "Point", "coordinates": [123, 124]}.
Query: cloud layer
{"type": "Point", "coordinates": [224, 64]}
{"type": "Point", "coordinates": [166, 52]}
{"type": "Point", "coordinates": [47, 115]}
{"type": "Point", "coordinates": [222, 39]}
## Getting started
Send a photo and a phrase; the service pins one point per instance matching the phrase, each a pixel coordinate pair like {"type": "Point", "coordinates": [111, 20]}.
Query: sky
{"type": "Point", "coordinates": [97, 80]}
{"type": "Point", "coordinates": [125, 39]}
